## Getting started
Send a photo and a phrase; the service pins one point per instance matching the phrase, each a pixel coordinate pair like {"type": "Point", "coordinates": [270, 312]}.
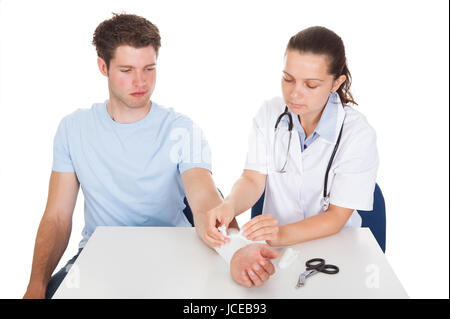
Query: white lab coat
{"type": "Point", "coordinates": [296, 194]}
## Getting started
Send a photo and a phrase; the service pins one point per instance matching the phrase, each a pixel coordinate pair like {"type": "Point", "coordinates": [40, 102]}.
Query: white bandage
{"type": "Point", "coordinates": [289, 256]}
{"type": "Point", "coordinates": [237, 241]}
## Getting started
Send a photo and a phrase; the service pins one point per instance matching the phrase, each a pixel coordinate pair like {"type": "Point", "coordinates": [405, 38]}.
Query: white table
{"type": "Point", "coordinates": [173, 262]}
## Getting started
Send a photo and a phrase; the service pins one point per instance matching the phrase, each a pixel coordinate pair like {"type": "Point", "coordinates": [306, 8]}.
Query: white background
{"type": "Point", "coordinates": [218, 62]}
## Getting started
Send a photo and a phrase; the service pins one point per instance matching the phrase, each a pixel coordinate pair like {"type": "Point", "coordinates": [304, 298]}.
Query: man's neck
{"type": "Point", "coordinates": [122, 113]}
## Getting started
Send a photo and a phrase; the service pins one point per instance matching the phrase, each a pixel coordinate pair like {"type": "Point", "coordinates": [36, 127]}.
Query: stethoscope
{"type": "Point", "coordinates": [325, 201]}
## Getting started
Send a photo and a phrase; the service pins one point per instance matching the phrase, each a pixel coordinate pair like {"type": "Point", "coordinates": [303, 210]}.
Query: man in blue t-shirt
{"type": "Point", "coordinates": [134, 159]}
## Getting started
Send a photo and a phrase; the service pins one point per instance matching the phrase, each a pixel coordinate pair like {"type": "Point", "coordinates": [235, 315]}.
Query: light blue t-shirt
{"type": "Point", "coordinates": [130, 174]}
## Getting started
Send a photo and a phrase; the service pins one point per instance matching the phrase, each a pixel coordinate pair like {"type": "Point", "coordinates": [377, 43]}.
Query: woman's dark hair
{"type": "Point", "coordinates": [320, 40]}
{"type": "Point", "coordinates": [124, 29]}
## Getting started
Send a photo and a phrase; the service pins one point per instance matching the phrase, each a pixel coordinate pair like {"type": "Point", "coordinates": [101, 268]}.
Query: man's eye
{"type": "Point", "coordinates": [125, 71]}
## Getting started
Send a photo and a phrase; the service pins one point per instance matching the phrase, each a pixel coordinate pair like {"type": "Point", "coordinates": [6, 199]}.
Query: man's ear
{"type": "Point", "coordinates": [102, 66]}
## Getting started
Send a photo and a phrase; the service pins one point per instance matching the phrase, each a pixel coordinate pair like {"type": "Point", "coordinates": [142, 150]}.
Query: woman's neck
{"type": "Point", "coordinates": [309, 123]}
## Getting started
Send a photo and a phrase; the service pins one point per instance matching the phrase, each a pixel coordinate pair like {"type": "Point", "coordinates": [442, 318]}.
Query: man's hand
{"type": "Point", "coordinates": [251, 265]}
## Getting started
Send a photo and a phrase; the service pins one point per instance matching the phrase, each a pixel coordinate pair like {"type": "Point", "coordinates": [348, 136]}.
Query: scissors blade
{"type": "Point", "coordinates": [302, 279]}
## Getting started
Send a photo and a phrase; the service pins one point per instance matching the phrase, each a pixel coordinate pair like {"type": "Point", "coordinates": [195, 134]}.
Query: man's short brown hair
{"type": "Point", "coordinates": [124, 29]}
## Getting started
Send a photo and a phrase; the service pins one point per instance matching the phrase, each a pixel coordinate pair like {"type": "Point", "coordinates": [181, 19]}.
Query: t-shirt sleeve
{"type": "Point", "coordinates": [355, 176]}
{"type": "Point", "coordinates": [191, 149]}
{"type": "Point", "coordinates": [62, 161]}
{"type": "Point", "coordinates": [257, 152]}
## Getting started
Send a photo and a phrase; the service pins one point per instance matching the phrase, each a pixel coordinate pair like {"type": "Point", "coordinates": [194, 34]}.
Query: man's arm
{"type": "Point", "coordinates": [54, 231]}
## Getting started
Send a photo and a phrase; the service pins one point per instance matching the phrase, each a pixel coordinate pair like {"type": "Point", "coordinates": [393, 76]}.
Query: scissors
{"type": "Point", "coordinates": [314, 266]}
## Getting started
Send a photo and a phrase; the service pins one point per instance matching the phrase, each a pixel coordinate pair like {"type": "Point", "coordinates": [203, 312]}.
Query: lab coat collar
{"type": "Point", "coordinates": [327, 123]}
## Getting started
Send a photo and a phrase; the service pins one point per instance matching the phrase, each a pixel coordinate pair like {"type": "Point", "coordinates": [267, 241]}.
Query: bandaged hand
{"type": "Point", "coordinates": [249, 261]}
{"type": "Point", "coordinates": [251, 265]}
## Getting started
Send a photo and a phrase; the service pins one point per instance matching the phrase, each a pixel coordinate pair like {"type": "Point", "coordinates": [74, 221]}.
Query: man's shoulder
{"type": "Point", "coordinates": [80, 115]}
{"type": "Point", "coordinates": [171, 117]}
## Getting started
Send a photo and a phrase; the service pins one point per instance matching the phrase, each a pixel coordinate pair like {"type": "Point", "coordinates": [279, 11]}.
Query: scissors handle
{"type": "Point", "coordinates": [329, 269]}
{"type": "Point", "coordinates": [319, 265]}
{"type": "Point", "coordinates": [315, 263]}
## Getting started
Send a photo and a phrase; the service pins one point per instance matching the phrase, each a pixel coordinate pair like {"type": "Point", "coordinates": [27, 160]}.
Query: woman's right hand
{"type": "Point", "coordinates": [207, 226]}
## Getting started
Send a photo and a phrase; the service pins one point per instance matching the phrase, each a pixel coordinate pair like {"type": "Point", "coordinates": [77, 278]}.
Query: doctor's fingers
{"type": "Point", "coordinates": [261, 227]}
{"type": "Point", "coordinates": [212, 241]}
{"type": "Point", "coordinates": [212, 230]}
{"type": "Point", "coordinates": [215, 239]}
{"type": "Point", "coordinates": [266, 233]}
{"type": "Point", "coordinates": [259, 221]}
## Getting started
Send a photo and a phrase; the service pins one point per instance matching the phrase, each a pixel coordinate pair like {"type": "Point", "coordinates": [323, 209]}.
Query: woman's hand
{"type": "Point", "coordinates": [206, 224]}
{"type": "Point", "coordinates": [262, 227]}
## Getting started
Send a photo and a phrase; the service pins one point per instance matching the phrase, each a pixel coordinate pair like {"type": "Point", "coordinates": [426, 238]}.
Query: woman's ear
{"type": "Point", "coordinates": [338, 82]}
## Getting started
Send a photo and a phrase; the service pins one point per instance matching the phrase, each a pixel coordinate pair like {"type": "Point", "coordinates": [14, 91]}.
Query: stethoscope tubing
{"type": "Point", "coordinates": [290, 127]}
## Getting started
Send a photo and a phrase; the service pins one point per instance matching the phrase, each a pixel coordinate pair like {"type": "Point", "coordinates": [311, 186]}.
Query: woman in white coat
{"type": "Point", "coordinates": [291, 150]}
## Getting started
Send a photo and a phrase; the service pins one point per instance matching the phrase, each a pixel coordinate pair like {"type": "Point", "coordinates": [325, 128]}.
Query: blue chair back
{"type": "Point", "coordinates": [375, 219]}
{"type": "Point", "coordinates": [188, 212]}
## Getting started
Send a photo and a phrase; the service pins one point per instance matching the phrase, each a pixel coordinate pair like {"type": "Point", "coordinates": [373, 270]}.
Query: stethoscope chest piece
{"type": "Point", "coordinates": [324, 203]}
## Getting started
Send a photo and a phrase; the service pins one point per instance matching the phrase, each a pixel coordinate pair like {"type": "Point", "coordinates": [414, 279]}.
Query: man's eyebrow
{"type": "Point", "coordinates": [132, 67]}
{"type": "Point", "coordinates": [304, 79]}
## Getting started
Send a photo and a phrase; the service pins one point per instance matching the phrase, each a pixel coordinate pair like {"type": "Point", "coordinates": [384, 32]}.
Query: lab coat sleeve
{"type": "Point", "coordinates": [62, 161]}
{"type": "Point", "coordinates": [257, 153]}
{"type": "Point", "coordinates": [356, 171]}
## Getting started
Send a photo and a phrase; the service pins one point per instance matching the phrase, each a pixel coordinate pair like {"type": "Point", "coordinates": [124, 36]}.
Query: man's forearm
{"type": "Point", "coordinates": [51, 241]}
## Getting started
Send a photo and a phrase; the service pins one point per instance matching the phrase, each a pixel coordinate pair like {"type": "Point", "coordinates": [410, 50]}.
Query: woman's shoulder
{"type": "Point", "coordinates": [357, 123]}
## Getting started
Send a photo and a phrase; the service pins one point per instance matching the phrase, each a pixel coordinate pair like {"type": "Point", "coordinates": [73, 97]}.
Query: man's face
{"type": "Point", "coordinates": [131, 75]}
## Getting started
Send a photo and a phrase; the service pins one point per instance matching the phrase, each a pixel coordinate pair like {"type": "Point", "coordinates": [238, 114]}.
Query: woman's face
{"type": "Point", "coordinates": [306, 83]}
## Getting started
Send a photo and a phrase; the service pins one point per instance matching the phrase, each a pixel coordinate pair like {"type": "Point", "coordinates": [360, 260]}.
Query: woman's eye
{"type": "Point", "coordinates": [286, 80]}
{"type": "Point", "coordinates": [311, 87]}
